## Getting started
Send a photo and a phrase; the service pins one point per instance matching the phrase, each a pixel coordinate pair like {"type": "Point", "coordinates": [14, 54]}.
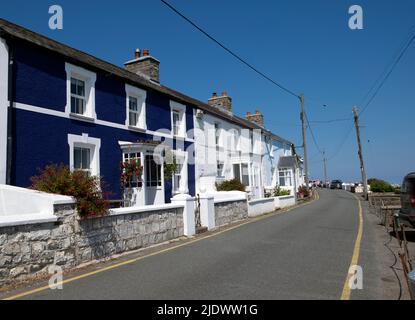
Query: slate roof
{"type": "Point", "coordinates": [8, 29]}
{"type": "Point", "coordinates": [288, 162]}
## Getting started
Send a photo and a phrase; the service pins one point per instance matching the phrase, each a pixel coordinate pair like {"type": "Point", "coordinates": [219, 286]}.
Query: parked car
{"type": "Point", "coordinates": [407, 212]}
{"type": "Point", "coordinates": [336, 184]}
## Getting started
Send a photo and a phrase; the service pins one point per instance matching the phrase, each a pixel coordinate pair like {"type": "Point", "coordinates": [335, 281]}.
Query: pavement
{"type": "Point", "coordinates": [302, 254]}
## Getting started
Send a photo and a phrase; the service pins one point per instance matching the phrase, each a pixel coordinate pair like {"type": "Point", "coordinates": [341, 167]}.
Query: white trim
{"type": "Point", "coordinates": [94, 144]}
{"type": "Point", "coordinates": [4, 104]}
{"type": "Point", "coordinates": [11, 221]}
{"type": "Point", "coordinates": [143, 209]}
{"type": "Point", "coordinates": [141, 96]}
{"type": "Point", "coordinates": [182, 110]}
{"type": "Point", "coordinates": [54, 113]}
{"type": "Point", "coordinates": [89, 78]}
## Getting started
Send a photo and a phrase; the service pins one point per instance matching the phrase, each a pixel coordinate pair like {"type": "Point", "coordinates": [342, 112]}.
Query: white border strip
{"type": "Point", "coordinates": [54, 113]}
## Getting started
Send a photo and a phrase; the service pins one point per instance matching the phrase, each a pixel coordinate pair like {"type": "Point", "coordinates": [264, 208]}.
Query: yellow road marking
{"type": "Point", "coordinates": [44, 288]}
{"type": "Point", "coordinates": [356, 252]}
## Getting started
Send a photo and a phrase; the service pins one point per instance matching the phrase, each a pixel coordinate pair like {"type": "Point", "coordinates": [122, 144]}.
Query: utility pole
{"type": "Point", "coordinates": [304, 126]}
{"type": "Point", "coordinates": [325, 167]}
{"type": "Point", "coordinates": [362, 165]}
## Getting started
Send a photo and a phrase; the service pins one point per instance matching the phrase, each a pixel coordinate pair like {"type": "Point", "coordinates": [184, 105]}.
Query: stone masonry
{"type": "Point", "coordinates": [29, 250]}
{"type": "Point", "coordinates": [229, 212]}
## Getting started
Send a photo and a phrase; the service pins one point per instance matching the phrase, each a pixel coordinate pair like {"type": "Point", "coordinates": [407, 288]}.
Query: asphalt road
{"type": "Point", "coordinates": [302, 254]}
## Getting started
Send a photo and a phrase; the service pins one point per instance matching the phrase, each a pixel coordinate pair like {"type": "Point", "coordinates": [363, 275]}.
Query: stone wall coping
{"type": "Point", "coordinates": [143, 209]}
{"type": "Point", "coordinates": [262, 200]}
{"type": "Point", "coordinates": [233, 199]}
{"type": "Point", "coordinates": [286, 197]}
{"type": "Point", "coordinates": [12, 221]}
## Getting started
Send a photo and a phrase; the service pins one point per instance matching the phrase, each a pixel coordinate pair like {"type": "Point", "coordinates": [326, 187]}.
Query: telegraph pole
{"type": "Point", "coordinates": [325, 167]}
{"type": "Point", "coordinates": [362, 165]}
{"type": "Point", "coordinates": [304, 126]}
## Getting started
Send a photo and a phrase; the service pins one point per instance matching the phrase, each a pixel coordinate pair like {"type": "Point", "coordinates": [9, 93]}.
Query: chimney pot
{"type": "Point", "coordinates": [224, 94]}
{"type": "Point", "coordinates": [214, 95]}
{"type": "Point", "coordinates": [137, 53]}
{"type": "Point", "coordinates": [149, 68]}
{"type": "Point", "coordinates": [248, 113]}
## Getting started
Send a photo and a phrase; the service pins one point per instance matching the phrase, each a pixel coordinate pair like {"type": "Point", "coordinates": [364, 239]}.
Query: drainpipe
{"type": "Point", "coordinates": [10, 111]}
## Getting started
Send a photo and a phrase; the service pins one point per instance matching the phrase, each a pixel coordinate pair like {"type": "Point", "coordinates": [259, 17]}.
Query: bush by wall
{"type": "Point", "coordinates": [231, 185]}
{"type": "Point", "coordinates": [85, 189]}
{"type": "Point", "coordinates": [377, 185]}
{"type": "Point", "coordinates": [278, 192]}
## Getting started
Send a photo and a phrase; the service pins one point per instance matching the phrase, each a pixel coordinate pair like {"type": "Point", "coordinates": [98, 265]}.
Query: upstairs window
{"type": "Point", "coordinates": [217, 134]}
{"type": "Point", "coordinates": [176, 122]}
{"type": "Point", "coordinates": [136, 108]}
{"type": "Point", "coordinates": [134, 113]}
{"type": "Point", "coordinates": [80, 92]}
{"type": "Point", "coordinates": [178, 119]}
{"type": "Point", "coordinates": [78, 101]}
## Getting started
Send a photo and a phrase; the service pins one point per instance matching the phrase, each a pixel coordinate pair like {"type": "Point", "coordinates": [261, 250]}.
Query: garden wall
{"type": "Point", "coordinates": [28, 250]}
{"type": "Point", "coordinates": [227, 212]}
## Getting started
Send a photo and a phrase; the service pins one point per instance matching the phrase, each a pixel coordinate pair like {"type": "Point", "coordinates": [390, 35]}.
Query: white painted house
{"type": "Point", "coordinates": [236, 148]}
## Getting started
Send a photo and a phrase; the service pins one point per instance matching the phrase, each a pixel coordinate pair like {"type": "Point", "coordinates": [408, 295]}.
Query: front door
{"type": "Point", "coordinates": [154, 181]}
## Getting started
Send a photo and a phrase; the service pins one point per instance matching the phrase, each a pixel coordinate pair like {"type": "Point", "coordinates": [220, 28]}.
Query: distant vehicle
{"type": "Point", "coordinates": [336, 184]}
{"type": "Point", "coordinates": [407, 213]}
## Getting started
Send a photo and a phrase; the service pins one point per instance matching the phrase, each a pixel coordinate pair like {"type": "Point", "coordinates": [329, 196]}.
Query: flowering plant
{"type": "Point", "coordinates": [131, 170]}
{"type": "Point", "coordinates": [88, 191]}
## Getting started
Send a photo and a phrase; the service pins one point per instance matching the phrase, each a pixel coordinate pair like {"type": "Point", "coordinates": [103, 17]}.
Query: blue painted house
{"type": "Point", "coordinates": [60, 105]}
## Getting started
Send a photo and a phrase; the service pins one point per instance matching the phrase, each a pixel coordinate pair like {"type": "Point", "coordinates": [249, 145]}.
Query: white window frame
{"type": "Point", "coordinates": [288, 173]}
{"type": "Point", "coordinates": [141, 96]}
{"type": "Point", "coordinates": [90, 79]}
{"type": "Point", "coordinates": [84, 141]}
{"type": "Point", "coordinates": [181, 157]}
{"type": "Point", "coordinates": [181, 108]}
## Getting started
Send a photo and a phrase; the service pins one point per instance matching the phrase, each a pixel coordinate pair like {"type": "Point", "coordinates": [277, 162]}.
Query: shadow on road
{"type": "Point", "coordinates": [410, 235]}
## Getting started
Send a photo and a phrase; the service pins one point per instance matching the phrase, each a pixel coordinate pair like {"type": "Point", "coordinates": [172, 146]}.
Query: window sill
{"type": "Point", "coordinates": [137, 129]}
{"type": "Point", "coordinates": [81, 117]}
{"type": "Point", "coordinates": [179, 138]}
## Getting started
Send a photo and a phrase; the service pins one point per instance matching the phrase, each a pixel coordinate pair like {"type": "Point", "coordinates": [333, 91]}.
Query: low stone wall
{"type": "Point", "coordinates": [28, 250]}
{"type": "Point", "coordinates": [228, 212]}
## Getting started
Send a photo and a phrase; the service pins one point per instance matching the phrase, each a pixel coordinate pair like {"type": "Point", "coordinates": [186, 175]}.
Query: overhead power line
{"type": "Point", "coordinates": [312, 134]}
{"type": "Point", "coordinates": [386, 77]}
{"type": "Point", "coordinates": [230, 51]}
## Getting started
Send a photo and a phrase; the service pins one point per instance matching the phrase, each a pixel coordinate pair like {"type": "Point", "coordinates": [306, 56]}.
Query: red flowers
{"type": "Point", "coordinates": [131, 170]}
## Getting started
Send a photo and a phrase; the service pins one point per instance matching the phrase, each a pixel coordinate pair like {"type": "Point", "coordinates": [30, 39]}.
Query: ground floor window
{"type": "Point", "coordinates": [153, 172]}
{"type": "Point", "coordinates": [219, 169]}
{"type": "Point", "coordinates": [285, 178]}
{"type": "Point", "coordinates": [84, 154]}
{"type": "Point", "coordinates": [82, 159]}
{"type": "Point", "coordinates": [136, 182]}
{"type": "Point", "coordinates": [241, 173]}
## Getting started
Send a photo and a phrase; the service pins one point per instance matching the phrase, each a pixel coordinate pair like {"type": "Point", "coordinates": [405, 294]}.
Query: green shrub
{"type": "Point", "coordinates": [231, 185]}
{"type": "Point", "coordinates": [278, 192]}
{"type": "Point", "coordinates": [377, 185]}
{"type": "Point", "coordinates": [85, 189]}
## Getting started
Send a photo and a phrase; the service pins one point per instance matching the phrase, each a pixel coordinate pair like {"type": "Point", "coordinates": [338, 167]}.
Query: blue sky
{"type": "Point", "coordinates": [305, 45]}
